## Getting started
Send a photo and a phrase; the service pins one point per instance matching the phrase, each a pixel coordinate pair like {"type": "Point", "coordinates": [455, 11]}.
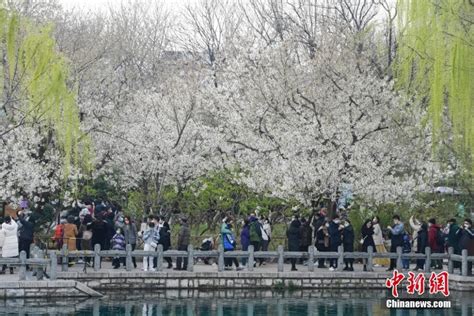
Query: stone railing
{"type": "Point", "coordinates": [37, 260]}
{"type": "Point", "coordinates": [311, 256]}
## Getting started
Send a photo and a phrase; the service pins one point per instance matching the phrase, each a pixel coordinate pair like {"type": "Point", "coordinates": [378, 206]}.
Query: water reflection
{"type": "Point", "coordinates": [230, 303]}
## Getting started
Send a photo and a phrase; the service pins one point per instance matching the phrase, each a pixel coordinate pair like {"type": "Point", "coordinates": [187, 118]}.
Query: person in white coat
{"type": "Point", "coordinates": [9, 241]}
{"type": "Point", "coordinates": [416, 226]}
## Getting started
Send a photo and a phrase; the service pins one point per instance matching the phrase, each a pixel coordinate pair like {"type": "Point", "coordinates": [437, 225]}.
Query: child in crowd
{"type": "Point", "coordinates": [118, 243]}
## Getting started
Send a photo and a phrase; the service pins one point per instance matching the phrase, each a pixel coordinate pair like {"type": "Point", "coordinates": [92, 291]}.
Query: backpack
{"type": "Point", "coordinates": [255, 232]}
{"type": "Point", "coordinates": [58, 232]}
{"type": "Point", "coordinates": [406, 246]}
{"type": "Point", "coordinates": [229, 243]}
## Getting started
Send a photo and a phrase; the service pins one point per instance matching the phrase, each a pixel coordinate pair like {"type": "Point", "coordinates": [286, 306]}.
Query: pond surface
{"type": "Point", "coordinates": [230, 303]}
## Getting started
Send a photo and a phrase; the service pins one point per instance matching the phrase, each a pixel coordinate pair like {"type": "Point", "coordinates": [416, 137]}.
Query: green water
{"type": "Point", "coordinates": [230, 303]}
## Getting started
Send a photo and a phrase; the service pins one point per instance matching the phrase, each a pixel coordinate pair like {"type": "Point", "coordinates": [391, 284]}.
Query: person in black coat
{"type": "Point", "coordinates": [306, 236]}
{"type": "Point", "coordinates": [294, 239]}
{"type": "Point", "coordinates": [165, 240]}
{"type": "Point", "coordinates": [335, 239]}
{"type": "Point", "coordinates": [348, 244]}
{"type": "Point", "coordinates": [322, 242]}
{"type": "Point", "coordinates": [367, 234]}
{"type": "Point", "coordinates": [25, 233]}
{"type": "Point", "coordinates": [319, 220]}
{"type": "Point", "coordinates": [466, 241]}
{"type": "Point", "coordinates": [100, 232]}
{"type": "Point", "coordinates": [421, 244]}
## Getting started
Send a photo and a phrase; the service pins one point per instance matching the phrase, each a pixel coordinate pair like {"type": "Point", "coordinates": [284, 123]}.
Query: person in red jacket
{"type": "Point", "coordinates": [435, 241]}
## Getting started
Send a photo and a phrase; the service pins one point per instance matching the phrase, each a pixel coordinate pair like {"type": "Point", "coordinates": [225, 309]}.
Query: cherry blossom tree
{"type": "Point", "coordinates": [307, 123]}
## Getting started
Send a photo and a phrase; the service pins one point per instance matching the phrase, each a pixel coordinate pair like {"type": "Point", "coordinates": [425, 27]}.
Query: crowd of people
{"type": "Point", "coordinates": [328, 234]}
{"type": "Point", "coordinates": [112, 230]}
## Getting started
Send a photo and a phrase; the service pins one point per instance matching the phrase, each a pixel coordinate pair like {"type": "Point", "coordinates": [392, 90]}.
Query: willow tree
{"type": "Point", "coordinates": [436, 62]}
{"type": "Point", "coordinates": [35, 95]}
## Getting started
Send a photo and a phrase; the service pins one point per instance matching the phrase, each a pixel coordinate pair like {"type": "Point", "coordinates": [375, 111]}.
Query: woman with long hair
{"type": "Point", "coordinates": [379, 243]}
{"type": "Point", "coordinates": [367, 233]}
{"type": "Point", "coordinates": [130, 234]}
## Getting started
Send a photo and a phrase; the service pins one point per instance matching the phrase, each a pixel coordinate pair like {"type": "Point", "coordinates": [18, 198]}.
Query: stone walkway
{"type": "Point", "coordinates": [199, 267]}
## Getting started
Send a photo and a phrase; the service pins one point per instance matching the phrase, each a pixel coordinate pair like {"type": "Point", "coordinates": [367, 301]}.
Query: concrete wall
{"type": "Point", "coordinates": [41, 289]}
{"type": "Point", "coordinates": [110, 281]}
{"type": "Point", "coordinates": [92, 284]}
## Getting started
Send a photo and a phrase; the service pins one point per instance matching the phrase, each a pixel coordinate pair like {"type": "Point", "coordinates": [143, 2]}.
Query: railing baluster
{"type": "Point", "coordinates": [311, 258]}
{"type": "Point", "coordinates": [159, 259]}
{"type": "Point", "coordinates": [65, 258]}
{"type": "Point", "coordinates": [450, 260]}
{"type": "Point", "coordinates": [39, 270]}
{"type": "Point", "coordinates": [399, 258]}
{"type": "Point", "coordinates": [53, 269]}
{"type": "Point", "coordinates": [22, 270]}
{"type": "Point", "coordinates": [340, 258]}
{"type": "Point", "coordinates": [370, 251]}
{"type": "Point", "coordinates": [190, 258]}
{"type": "Point", "coordinates": [428, 260]}
{"type": "Point", "coordinates": [220, 260]}
{"type": "Point", "coordinates": [128, 258]}
{"type": "Point", "coordinates": [464, 264]}
{"type": "Point", "coordinates": [280, 258]}
{"type": "Point", "coordinates": [96, 257]}
{"type": "Point", "coordinates": [251, 260]}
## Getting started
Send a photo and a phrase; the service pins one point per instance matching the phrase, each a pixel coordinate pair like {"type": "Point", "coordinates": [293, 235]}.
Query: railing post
{"type": "Point", "coordinates": [450, 260]}
{"type": "Point", "coordinates": [399, 258]}
{"type": "Point", "coordinates": [96, 257]}
{"type": "Point", "coordinates": [53, 269]}
{"type": "Point", "coordinates": [40, 269]}
{"type": "Point", "coordinates": [370, 259]}
{"type": "Point", "coordinates": [311, 258]}
{"type": "Point", "coordinates": [65, 258]}
{"type": "Point", "coordinates": [251, 258]}
{"type": "Point", "coordinates": [22, 270]}
{"type": "Point", "coordinates": [428, 259]}
{"type": "Point", "coordinates": [464, 264]}
{"type": "Point", "coordinates": [128, 258]}
{"type": "Point", "coordinates": [159, 259]}
{"type": "Point", "coordinates": [190, 258]}
{"type": "Point", "coordinates": [34, 254]}
{"type": "Point", "coordinates": [340, 258]}
{"type": "Point", "coordinates": [280, 258]}
{"type": "Point", "coordinates": [220, 259]}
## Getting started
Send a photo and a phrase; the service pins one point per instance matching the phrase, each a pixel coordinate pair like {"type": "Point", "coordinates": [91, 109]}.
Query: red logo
{"type": "Point", "coordinates": [416, 283]}
{"type": "Point", "coordinates": [439, 283]}
{"type": "Point", "coordinates": [394, 282]}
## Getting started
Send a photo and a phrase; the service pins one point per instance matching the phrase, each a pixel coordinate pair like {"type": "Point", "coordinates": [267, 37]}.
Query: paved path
{"type": "Point", "coordinates": [199, 267]}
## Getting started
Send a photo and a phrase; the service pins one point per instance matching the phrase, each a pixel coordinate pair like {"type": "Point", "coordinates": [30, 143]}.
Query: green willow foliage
{"type": "Point", "coordinates": [37, 75]}
{"type": "Point", "coordinates": [436, 62]}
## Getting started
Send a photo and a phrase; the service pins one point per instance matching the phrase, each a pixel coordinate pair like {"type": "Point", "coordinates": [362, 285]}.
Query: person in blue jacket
{"type": "Point", "coordinates": [229, 243]}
